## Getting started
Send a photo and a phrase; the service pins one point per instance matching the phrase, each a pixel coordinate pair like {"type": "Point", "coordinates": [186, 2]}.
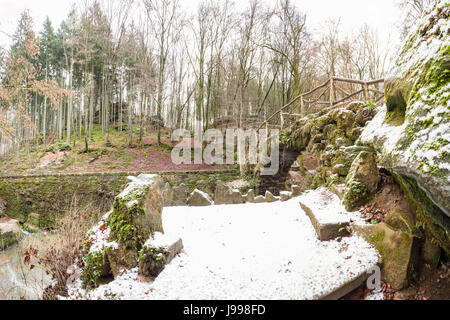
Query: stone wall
{"type": "Point", "coordinates": [50, 195]}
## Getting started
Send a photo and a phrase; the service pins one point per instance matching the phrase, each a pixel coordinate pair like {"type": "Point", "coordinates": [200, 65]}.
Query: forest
{"type": "Point", "coordinates": [348, 199]}
{"type": "Point", "coordinates": [129, 64]}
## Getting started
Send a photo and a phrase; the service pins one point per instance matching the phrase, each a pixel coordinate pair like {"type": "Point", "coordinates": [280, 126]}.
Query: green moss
{"type": "Point", "coordinates": [7, 239]}
{"type": "Point", "coordinates": [355, 194]}
{"type": "Point", "coordinates": [57, 147]}
{"type": "Point", "coordinates": [51, 195]}
{"type": "Point", "coordinates": [377, 240]}
{"type": "Point", "coordinates": [396, 108]}
{"type": "Point", "coordinates": [30, 228]}
{"type": "Point", "coordinates": [434, 75]}
{"type": "Point", "coordinates": [427, 123]}
{"type": "Point", "coordinates": [95, 264]}
{"type": "Point", "coordinates": [429, 217]}
{"type": "Point", "coordinates": [126, 210]}
{"type": "Point", "coordinates": [152, 260]}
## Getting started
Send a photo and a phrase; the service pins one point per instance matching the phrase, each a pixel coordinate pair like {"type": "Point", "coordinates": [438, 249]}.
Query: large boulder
{"type": "Point", "coordinates": [10, 232]}
{"type": "Point", "coordinates": [362, 180]}
{"type": "Point", "coordinates": [131, 234]}
{"type": "Point", "coordinates": [137, 211]}
{"type": "Point", "coordinates": [411, 133]}
{"type": "Point", "coordinates": [398, 252]}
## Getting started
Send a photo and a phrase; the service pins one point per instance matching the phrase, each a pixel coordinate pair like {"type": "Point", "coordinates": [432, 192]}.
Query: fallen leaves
{"type": "Point", "coordinates": [372, 215]}
{"type": "Point", "coordinates": [148, 291]}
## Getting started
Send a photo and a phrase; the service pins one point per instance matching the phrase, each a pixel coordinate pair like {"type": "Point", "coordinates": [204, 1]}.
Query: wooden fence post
{"type": "Point", "coordinates": [331, 91]}
{"type": "Point", "coordinates": [366, 92]}
{"type": "Point", "coordinates": [302, 104]}
{"type": "Point", "coordinates": [281, 121]}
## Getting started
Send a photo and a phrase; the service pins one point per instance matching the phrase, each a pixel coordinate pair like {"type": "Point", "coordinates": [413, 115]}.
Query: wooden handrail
{"type": "Point", "coordinates": [331, 81]}
{"type": "Point", "coordinates": [316, 88]}
{"type": "Point", "coordinates": [349, 96]}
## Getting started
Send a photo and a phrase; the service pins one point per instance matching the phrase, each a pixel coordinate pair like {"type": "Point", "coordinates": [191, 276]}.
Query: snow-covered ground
{"type": "Point", "coordinates": [245, 251]}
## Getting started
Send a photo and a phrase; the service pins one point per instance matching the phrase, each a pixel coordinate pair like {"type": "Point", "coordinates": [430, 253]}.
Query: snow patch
{"type": "Point", "coordinates": [244, 251]}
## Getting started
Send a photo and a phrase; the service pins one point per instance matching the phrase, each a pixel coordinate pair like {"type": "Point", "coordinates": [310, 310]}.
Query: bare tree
{"type": "Point", "coordinates": [165, 19]}
{"type": "Point", "coordinates": [290, 40]}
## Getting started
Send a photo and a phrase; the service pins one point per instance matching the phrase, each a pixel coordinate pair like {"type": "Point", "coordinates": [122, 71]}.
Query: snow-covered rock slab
{"type": "Point", "coordinates": [327, 215]}
{"type": "Point", "coordinates": [157, 252]}
{"type": "Point", "coordinates": [246, 251]}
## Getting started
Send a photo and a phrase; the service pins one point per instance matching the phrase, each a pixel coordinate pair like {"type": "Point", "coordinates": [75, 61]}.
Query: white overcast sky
{"type": "Point", "coordinates": [380, 14]}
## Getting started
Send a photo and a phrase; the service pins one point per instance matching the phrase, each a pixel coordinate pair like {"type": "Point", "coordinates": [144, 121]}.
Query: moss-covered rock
{"type": "Point", "coordinates": [137, 212]}
{"type": "Point", "coordinates": [431, 253]}
{"type": "Point", "coordinates": [10, 233]}
{"type": "Point", "coordinates": [434, 223]}
{"type": "Point", "coordinates": [397, 219]}
{"type": "Point", "coordinates": [50, 195]}
{"type": "Point", "coordinates": [362, 180]}
{"type": "Point", "coordinates": [344, 118]}
{"type": "Point", "coordinates": [156, 253]}
{"type": "Point", "coordinates": [396, 249]}
{"type": "Point", "coordinates": [340, 169]}
{"type": "Point", "coordinates": [120, 258]}
{"type": "Point", "coordinates": [411, 134]}
{"type": "Point", "coordinates": [96, 266]}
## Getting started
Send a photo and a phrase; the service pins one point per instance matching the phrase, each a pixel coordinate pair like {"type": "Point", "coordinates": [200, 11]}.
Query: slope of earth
{"type": "Point", "coordinates": [114, 155]}
{"type": "Point", "coordinates": [245, 251]}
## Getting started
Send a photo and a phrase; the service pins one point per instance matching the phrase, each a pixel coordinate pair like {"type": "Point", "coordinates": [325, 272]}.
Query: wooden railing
{"type": "Point", "coordinates": [309, 103]}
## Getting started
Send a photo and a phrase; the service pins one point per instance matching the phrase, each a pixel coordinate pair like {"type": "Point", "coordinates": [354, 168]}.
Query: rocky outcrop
{"type": "Point", "coordinates": [362, 181]}
{"type": "Point", "coordinates": [137, 211]}
{"type": "Point", "coordinates": [328, 136]}
{"type": "Point", "coordinates": [398, 252]}
{"type": "Point", "coordinates": [131, 234]}
{"type": "Point", "coordinates": [411, 134]}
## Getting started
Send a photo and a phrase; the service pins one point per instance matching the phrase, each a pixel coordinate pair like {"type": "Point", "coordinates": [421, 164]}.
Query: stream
{"type": "Point", "coordinates": [17, 281]}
